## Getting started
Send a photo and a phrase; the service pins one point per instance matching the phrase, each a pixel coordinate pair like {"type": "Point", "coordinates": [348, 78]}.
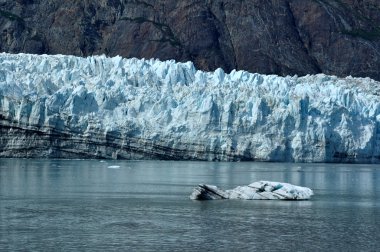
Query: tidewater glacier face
{"type": "Point", "coordinates": [99, 107]}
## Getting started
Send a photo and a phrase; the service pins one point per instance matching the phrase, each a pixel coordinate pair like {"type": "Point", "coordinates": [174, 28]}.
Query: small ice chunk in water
{"type": "Point", "coordinates": [113, 167]}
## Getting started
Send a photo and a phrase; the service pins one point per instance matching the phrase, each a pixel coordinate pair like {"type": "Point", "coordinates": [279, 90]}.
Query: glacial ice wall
{"type": "Point", "coordinates": [99, 107]}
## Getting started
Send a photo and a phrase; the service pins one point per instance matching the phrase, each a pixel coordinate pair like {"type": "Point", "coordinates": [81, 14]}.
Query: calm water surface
{"type": "Point", "coordinates": [83, 205]}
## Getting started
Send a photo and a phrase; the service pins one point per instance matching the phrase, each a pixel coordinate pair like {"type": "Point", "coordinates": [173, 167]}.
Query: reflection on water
{"type": "Point", "coordinates": [91, 205]}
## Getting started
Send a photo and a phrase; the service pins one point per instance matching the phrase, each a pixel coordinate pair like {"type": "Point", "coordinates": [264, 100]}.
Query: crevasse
{"type": "Point", "coordinates": [99, 107]}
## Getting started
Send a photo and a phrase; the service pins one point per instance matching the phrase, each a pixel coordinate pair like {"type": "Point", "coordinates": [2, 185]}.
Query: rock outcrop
{"type": "Point", "coordinates": [98, 107]}
{"type": "Point", "coordinates": [335, 37]}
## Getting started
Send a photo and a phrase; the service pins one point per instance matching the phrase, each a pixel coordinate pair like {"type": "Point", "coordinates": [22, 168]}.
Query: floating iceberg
{"type": "Point", "coordinates": [261, 190]}
{"type": "Point", "coordinates": [113, 167]}
{"type": "Point", "coordinates": [99, 107]}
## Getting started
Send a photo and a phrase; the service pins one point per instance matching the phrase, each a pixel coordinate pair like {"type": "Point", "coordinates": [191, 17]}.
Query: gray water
{"type": "Point", "coordinates": [82, 205]}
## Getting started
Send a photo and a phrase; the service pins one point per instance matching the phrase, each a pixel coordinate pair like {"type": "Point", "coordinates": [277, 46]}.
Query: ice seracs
{"type": "Point", "coordinates": [99, 107]}
{"type": "Point", "coordinates": [261, 190]}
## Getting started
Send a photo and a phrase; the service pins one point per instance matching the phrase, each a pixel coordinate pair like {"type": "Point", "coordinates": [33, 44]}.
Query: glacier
{"type": "Point", "coordinates": [260, 190]}
{"type": "Point", "coordinates": [59, 106]}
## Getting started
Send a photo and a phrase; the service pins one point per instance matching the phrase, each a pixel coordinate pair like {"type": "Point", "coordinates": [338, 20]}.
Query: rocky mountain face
{"type": "Point", "coordinates": [339, 37]}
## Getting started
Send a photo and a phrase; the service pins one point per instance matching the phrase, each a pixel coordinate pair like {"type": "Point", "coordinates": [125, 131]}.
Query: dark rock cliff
{"type": "Point", "coordinates": [340, 37]}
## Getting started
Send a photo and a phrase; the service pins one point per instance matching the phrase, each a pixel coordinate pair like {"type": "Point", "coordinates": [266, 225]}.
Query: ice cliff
{"type": "Point", "coordinates": [98, 107]}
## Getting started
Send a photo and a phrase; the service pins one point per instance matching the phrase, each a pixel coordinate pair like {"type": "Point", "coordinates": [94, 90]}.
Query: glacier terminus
{"type": "Point", "coordinates": [97, 107]}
